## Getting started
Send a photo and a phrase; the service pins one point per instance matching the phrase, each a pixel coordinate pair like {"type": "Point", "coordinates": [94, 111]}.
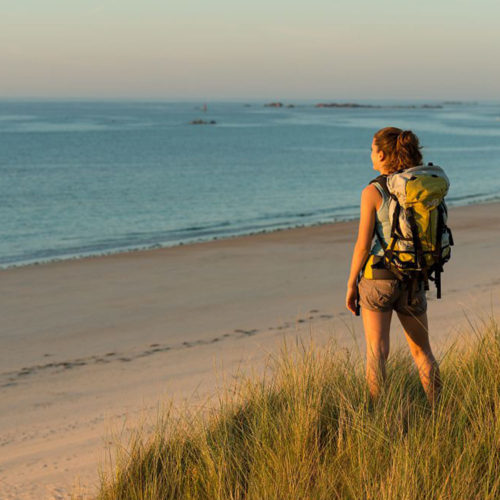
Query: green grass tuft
{"type": "Point", "coordinates": [310, 431]}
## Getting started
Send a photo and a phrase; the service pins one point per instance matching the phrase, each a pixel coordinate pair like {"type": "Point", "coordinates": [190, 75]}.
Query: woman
{"type": "Point", "coordinates": [392, 150]}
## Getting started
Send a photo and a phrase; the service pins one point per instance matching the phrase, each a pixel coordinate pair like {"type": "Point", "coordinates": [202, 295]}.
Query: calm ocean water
{"type": "Point", "coordinates": [85, 178]}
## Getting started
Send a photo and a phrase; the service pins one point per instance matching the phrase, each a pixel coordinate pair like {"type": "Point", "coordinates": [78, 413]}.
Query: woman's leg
{"type": "Point", "coordinates": [417, 335]}
{"type": "Point", "coordinates": [377, 326]}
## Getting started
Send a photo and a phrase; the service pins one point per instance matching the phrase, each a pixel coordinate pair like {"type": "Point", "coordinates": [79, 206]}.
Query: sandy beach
{"type": "Point", "coordinates": [91, 347]}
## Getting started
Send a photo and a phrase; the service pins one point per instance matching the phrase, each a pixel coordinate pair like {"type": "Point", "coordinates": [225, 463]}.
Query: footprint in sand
{"type": "Point", "coordinates": [201, 342]}
{"type": "Point", "coordinates": [9, 384]}
{"type": "Point", "coordinates": [283, 326]}
{"type": "Point", "coordinates": [247, 332]}
{"type": "Point", "coordinates": [102, 360]}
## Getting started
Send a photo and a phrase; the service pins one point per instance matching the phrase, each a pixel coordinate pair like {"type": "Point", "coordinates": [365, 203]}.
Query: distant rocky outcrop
{"type": "Point", "coordinates": [202, 122]}
{"type": "Point", "coordinates": [460, 102]}
{"type": "Point", "coordinates": [414, 106]}
{"type": "Point", "coordinates": [357, 105]}
{"type": "Point", "coordinates": [343, 105]}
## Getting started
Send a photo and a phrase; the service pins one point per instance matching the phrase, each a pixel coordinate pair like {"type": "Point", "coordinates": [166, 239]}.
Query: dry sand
{"type": "Point", "coordinates": [93, 346]}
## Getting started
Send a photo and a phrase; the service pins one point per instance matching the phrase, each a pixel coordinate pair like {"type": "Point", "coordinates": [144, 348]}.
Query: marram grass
{"type": "Point", "coordinates": [309, 431]}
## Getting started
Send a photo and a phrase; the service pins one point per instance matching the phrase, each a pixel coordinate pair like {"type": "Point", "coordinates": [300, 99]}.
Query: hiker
{"type": "Point", "coordinates": [379, 292]}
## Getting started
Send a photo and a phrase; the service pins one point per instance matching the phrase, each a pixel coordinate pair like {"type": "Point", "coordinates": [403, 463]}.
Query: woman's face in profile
{"type": "Point", "coordinates": [377, 157]}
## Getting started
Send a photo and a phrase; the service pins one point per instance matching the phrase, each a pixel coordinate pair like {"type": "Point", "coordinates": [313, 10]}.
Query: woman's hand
{"type": "Point", "coordinates": [351, 297]}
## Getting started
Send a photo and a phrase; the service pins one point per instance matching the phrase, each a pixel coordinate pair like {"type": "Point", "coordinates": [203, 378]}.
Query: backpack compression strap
{"type": "Point", "coordinates": [381, 180]}
{"type": "Point", "coordinates": [417, 245]}
{"type": "Point", "coordinates": [439, 235]}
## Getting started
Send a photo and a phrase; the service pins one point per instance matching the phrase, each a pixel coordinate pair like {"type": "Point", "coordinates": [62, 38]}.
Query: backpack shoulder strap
{"type": "Point", "coordinates": [381, 180]}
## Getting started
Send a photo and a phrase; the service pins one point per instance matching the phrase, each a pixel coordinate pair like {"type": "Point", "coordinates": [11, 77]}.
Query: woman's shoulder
{"type": "Point", "coordinates": [371, 193]}
{"type": "Point", "coordinates": [371, 197]}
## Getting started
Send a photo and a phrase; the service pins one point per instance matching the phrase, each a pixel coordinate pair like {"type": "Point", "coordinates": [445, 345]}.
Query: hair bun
{"type": "Point", "coordinates": [404, 137]}
{"type": "Point", "coordinates": [401, 148]}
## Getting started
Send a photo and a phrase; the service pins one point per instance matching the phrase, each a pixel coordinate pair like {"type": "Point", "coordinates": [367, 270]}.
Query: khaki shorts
{"type": "Point", "coordinates": [385, 295]}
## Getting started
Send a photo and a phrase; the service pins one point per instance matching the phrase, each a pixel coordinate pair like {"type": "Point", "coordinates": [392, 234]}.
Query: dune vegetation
{"type": "Point", "coordinates": [308, 430]}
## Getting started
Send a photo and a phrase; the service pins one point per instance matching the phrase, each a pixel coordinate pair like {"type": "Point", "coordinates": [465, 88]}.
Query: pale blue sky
{"type": "Point", "coordinates": [275, 49]}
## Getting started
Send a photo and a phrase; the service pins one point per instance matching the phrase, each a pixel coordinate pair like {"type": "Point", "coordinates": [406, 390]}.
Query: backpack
{"type": "Point", "coordinates": [420, 239]}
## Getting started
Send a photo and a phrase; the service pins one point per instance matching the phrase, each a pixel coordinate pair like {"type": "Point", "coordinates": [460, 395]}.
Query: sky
{"type": "Point", "coordinates": [259, 49]}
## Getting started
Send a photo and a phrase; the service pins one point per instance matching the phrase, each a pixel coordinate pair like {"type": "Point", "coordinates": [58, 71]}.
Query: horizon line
{"type": "Point", "coordinates": [244, 99]}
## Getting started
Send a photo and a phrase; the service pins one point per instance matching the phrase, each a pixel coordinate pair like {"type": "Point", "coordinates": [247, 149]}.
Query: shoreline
{"type": "Point", "coordinates": [160, 246]}
{"type": "Point", "coordinates": [93, 345]}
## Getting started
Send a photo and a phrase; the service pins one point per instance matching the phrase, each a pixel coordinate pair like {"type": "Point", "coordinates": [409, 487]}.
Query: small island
{"type": "Point", "coordinates": [344, 105]}
{"type": "Point", "coordinates": [202, 122]}
{"type": "Point", "coordinates": [395, 106]}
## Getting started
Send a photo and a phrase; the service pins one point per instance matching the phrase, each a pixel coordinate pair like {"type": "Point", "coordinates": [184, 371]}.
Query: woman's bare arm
{"type": "Point", "coordinates": [370, 200]}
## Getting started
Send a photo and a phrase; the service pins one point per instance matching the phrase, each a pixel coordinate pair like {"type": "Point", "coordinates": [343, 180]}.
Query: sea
{"type": "Point", "coordinates": [84, 178]}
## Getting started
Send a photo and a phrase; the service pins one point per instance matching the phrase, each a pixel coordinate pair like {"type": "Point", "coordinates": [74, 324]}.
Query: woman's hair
{"type": "Point", "coordinates": [401, 148]}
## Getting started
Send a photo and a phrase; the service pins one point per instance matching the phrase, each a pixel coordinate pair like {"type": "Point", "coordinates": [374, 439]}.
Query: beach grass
{"type": "Point", "coordinates": [307, 429]}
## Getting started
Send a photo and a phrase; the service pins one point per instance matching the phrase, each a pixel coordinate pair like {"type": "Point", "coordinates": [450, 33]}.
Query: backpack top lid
{"type": "Point", "coordinates": [425, 185]}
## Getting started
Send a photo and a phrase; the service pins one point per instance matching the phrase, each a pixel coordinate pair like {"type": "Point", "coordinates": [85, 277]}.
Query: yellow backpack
{"type": "Point", "coordinates": [420, 239]}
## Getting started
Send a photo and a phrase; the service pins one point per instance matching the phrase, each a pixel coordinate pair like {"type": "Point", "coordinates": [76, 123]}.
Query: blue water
{"type": "Point", "coordinates": [86, 178]}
